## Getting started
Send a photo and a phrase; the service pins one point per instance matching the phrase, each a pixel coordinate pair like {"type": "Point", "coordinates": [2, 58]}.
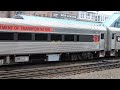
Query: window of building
{"type": "Point", "coordinates": [41, 37]}
{"type": "Point", "coordinates": [6, 36]}
{"type": "Point", "coordinates": [88, 17]}
{"type": "Point", "coordinates": [88, 14]}
{"type": "Point", "coordinates": [105, 18]}
{"type": "Point", "coordinates": [101, 18]}
{"type": "Point", "coordinates": [68, 37]}
{"type": "Point", "coordinates": [18, 12]}
{"type": "Point", "coordinates": [81, 15]}
{"type": "Point", "coordinates": [55, 37]}
{"type": "Point", "coordinates": [43, 15]}
{"type": "Point", "coordinates": [98, 18]}
{"type": "Point", "coordinates": [24, 36]}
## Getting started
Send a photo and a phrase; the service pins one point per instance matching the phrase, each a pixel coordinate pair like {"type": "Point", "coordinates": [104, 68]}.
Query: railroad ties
{"type": "Point", "coordinates": [56, 71]}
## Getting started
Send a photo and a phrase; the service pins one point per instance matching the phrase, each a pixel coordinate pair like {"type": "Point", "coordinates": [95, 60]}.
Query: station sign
{"type": "Point", "coordinates": [65, 16]}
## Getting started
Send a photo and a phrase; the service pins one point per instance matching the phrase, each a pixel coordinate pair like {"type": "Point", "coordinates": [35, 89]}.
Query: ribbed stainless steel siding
{"type": "Point", "coordinates": [118, 45]}
{"type": "Point", "coordinates": [46, 47]}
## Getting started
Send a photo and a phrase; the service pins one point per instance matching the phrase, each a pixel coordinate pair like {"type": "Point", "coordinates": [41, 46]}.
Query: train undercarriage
{"type": "Point", "coordinates": [33, 58]}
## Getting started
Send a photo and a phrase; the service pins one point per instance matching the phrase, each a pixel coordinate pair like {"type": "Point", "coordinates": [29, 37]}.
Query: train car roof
{"type": "Point", "coordinates": [37, 18]}
{"type": "Point", "coordinates": [49, 23]}
{"type": "Point", "coordinates": [113, 29]}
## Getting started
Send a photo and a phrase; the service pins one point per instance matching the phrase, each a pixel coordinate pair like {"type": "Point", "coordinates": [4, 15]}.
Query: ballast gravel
{"type": "Point", "coordinates": [105, 74]}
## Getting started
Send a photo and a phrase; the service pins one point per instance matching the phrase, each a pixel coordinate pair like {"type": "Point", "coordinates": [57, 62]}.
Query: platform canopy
{"type": "Point", "coordinates": [112, 21]}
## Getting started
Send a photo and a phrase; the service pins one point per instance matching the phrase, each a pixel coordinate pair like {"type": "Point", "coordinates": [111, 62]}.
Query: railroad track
{"type": "Point", "coordinates": [56, 71]}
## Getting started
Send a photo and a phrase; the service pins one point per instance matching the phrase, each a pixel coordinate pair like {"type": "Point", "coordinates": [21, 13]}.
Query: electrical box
{"type": "Point", "coordinates": [53, 57]}
{"type": "Point", "coordinates": [22, 59]}
{"type": "Point", "coordinates": [1, 62]}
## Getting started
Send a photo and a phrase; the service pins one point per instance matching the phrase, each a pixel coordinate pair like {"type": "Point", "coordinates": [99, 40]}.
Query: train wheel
{"type": "Point", "coordinates": [79, 57]}
{"type": "Point", "coordinates": [90, 56]}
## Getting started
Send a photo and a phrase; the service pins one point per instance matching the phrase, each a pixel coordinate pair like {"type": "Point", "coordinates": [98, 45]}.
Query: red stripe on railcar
{"type": "Point", "coordinates": [26, 28]}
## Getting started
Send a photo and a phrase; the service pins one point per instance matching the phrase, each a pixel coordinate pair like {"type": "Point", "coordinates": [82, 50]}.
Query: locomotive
{"type": "Point", "coordinates": [28, 41]}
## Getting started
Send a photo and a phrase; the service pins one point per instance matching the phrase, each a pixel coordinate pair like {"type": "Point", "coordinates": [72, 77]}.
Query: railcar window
{"type": "Point", "coordinates": [68, 37]}
{"type": "Point", "coordinates": [41, 37]}
{"type": "Point", "coordinates": [86, 38]}
{"type": "Point", "coordinates": [118, 38]}
{"type": "Point", "coordinates": [77, 37]}
{"type": "Point", "coordinates": [24, 36]}
{"type": "Point", "coordinates": [113, 36]}
{"type": "Point", "coordinates": [102, 36]}
{"type": "Point", "coordinates": [6, 36]}
{"type": "Point", "coordinates": [55, 37]}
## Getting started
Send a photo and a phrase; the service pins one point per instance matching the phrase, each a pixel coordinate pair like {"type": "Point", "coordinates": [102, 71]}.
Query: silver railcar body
{"type": "Point", "coordinates": [20, 47]}
{"type": "Point", "coordinates": [113, 38]}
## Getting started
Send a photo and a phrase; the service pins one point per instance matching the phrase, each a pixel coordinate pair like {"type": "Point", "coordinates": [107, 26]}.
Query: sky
{"type": "Point", "coordinates": [106, 12]}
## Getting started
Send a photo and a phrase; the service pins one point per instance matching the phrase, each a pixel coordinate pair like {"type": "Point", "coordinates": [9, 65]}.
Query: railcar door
{"type": "Point", "coordinates": [113, 41]}
{"type": "Point", "coordinates": [102, 41]}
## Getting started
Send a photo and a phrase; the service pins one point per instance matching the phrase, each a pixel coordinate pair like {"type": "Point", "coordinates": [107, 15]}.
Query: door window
{"type": "Point", "coordinates": [102, 36]}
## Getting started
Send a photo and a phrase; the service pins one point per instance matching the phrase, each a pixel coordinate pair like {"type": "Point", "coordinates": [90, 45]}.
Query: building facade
{"type": "Point", "coordinates": [9, 14]}
{"type": "Point", "coordinates": [6, 14]}
{"type": "Point", "coordinates": [100, 17]}
{"type": "Point", "coordinates": [91, 16]}
{"type": "Point", "coordinates": [86, 16]}
{"type": "Point", "coordinates": [38, 13]}
{"type": "Point", "coordinates": [70, 15]}
{"type": "Point", "coordinates": [53, 14]}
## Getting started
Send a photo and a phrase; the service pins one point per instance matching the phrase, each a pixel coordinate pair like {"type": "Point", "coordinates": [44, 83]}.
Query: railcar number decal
{"type": "Point", "coordinates": [26, 28]}
{"type": "Point", "coordinates": [95, 38]}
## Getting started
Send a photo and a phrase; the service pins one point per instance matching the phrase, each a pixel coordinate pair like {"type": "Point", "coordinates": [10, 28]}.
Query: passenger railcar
{"type": "Point", "coordinates": [25, 41]}
{"type": "Point", "coordinates": [113, 41]}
